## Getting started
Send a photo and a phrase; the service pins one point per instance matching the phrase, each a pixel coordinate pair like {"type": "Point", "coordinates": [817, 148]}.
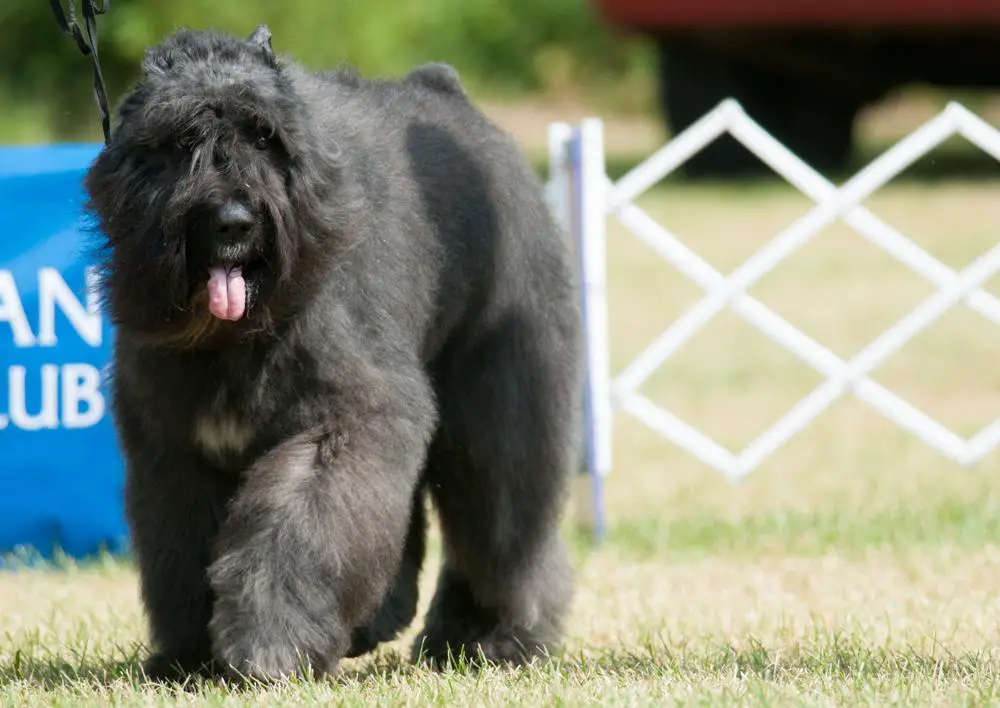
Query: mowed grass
{"type": "Point", "coordinates": [856, 565]}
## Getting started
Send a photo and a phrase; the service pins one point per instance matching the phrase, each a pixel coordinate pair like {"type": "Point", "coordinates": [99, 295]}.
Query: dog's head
{"type": "Point", "coordinates": [204, 193]}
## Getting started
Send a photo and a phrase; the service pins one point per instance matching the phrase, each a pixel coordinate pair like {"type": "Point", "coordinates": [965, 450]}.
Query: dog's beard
{"type": "Point", "coordinates": [195, 327]}
{"type": "Point", "coordinates": [204, 305]}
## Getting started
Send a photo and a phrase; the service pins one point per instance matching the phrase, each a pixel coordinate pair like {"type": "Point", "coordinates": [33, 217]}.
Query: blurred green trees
{"type": "Point", "coordinates": [501, 48]}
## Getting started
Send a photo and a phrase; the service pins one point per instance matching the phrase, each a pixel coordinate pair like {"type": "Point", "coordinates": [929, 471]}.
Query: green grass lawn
{"type": "Point", "coordinates": [857, 565]}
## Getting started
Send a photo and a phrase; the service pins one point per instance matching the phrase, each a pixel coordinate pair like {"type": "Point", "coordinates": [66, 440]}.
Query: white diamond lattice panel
{"type": "Point", "coordinates": [579, 182]}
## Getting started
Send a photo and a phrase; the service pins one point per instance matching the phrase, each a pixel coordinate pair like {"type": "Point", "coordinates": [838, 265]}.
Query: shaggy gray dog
{"type": "Point", "coordinates": [333, 297]}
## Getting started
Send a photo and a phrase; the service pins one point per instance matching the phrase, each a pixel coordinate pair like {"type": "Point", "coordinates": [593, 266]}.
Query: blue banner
{"type": "Point", "coordinates": [60, 468]}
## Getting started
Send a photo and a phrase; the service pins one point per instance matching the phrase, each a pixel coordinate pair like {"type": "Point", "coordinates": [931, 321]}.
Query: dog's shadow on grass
{"type": "Point", "coordinates": [54, 673]}
{"type": "Point", "coordinates": [49, 673]}
{"type": "Point", "coordinates": [101, 675]}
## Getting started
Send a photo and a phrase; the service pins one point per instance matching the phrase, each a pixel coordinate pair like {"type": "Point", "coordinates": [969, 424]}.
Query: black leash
{"type": "Point", "coordinates": [88, 46]}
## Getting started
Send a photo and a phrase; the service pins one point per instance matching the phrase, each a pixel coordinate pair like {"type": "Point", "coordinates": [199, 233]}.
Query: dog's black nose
{"type": "Point", "coordinates": [233, 220]}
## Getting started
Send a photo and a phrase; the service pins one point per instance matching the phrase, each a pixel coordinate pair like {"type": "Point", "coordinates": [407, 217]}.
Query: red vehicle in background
{"type": "Point", "coordinates": [804, 68]}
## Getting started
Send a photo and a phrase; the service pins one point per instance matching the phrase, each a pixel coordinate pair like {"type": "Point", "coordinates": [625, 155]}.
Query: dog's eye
{"type": "Point", "coordinates": [262, 143]}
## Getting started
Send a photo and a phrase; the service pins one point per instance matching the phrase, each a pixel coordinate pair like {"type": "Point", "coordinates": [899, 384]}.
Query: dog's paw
{"type": "Point", "coordinates": [263, 663]}
{"type": "Point", "coordinates": [260, 653]}
{"type": "Point", "coordinates": [172, 668]}
{"type": "Point", "coordinates": [497, 647]}
{"type": "Point", "coordinates": [160, 668]}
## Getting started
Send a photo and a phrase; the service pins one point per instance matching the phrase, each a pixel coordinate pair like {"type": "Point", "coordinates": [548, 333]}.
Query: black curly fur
{"type": "Point", "coordinates": [412, 328]}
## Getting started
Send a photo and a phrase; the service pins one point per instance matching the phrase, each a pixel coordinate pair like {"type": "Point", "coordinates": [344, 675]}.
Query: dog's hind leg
{"type": "Point", "coordinates": [497, 472]}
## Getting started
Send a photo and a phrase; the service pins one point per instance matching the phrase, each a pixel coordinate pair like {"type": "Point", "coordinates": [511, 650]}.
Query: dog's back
{"type": "Point", "coordinates": [451, 190]}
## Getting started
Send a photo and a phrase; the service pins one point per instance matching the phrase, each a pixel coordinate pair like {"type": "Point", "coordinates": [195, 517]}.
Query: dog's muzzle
{"type": "Point", "coordinates": [232, 230]}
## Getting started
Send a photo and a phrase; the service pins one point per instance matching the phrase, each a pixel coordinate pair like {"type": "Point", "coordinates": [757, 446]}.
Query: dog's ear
{"type": "Point", "coordinates": [261, 37]}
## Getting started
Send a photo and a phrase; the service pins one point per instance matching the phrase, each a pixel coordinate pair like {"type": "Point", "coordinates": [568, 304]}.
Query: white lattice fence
{"type": "Point", "coordinates": [583, 197]}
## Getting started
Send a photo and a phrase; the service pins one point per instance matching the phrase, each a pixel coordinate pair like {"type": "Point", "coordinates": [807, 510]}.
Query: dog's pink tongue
{"type": "Point", "coordinates": [227, 293]}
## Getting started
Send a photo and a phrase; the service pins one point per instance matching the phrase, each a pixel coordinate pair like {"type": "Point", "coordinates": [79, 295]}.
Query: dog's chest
{"type": "Point", "coordinates": [222, 430]}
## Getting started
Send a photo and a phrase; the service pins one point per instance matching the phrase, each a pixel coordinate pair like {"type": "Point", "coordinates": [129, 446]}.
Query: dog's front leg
{"type": "Point", "coordinates": [315, 535]}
